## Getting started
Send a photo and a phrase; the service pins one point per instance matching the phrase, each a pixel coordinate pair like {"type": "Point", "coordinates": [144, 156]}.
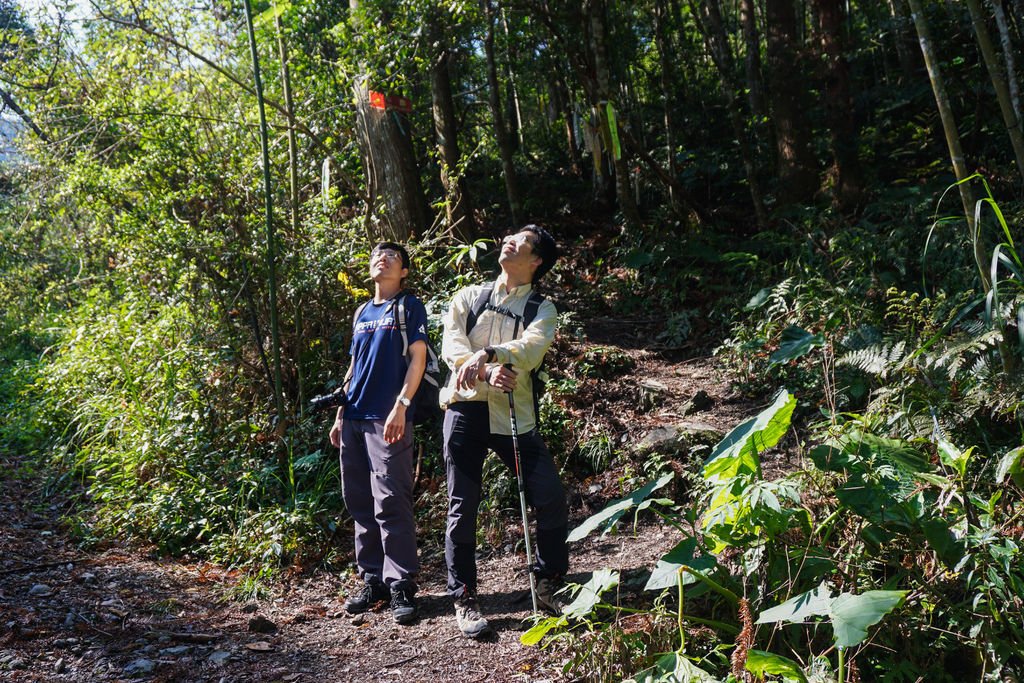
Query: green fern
{"type": "Point", "coordinates": [878, 360]}
{"type": "Point", "coordinates": [968, 353]}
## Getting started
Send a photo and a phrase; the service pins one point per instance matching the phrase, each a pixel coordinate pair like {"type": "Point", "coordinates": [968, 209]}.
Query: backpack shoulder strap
{"type": "Point", "coordinates": [399, 305]}
{"type": "Point", "coordinates": [478, 306]}
{"type": "Point", "coordinates": [532, 306]}
{"type": "Point", "coordinates": [359, 312]}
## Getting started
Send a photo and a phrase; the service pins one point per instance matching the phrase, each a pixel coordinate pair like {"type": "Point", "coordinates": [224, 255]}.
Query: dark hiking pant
{"type": "Point", "coordinates": [467, 438]}
{"type": "Point", "coordinates": [376, 483]}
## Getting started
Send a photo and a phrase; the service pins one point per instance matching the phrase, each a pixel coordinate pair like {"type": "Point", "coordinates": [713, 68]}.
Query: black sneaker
{"type": "Point", "coordinates": [369, 595]}
{"type": "Point", "coordinates": [552, 595]}
{"type": "Point", "coordinates": [403, 606]}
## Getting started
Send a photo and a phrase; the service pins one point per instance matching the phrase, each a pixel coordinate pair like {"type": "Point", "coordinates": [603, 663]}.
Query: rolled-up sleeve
{"type": "Point", "coordinates": [455, 345]}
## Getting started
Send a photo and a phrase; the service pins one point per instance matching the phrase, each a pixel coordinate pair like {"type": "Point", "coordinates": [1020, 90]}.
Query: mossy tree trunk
{"type": "Point", "coordinates": [392, 173]}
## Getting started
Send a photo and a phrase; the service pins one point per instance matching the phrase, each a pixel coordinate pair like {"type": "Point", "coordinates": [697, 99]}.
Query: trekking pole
{"type": "Point", "coordinates": [522, 495]}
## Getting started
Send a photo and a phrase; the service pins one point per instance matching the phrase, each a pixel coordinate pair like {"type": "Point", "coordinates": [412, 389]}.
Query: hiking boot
{"type": "Point", "coordinates": [369, 595]}
{"type": "Point", "coordinates": [403, 606]}
{"type": "Point", "coordinates": [467, 613]}
{"type": "Point", "coordinates": [552, 595]}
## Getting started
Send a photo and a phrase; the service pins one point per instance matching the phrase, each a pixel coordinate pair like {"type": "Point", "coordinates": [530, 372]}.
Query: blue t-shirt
{"type": "Point", "coordinates": [378, 366]}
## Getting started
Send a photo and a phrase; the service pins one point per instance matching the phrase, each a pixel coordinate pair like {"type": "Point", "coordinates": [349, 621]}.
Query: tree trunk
{"type": "Point", "coordinates": [988, 53]}
{"type": "Point", "coordinates": [457, 204]}
{"type": "Point", "coordinates": [1008, 55]}
{"type": "Point", "coordinates": [902, 40]}
{"type": "Point", "coordinates": [709, 22]}
{"type": "Point", "coordinates": [843, 134]}
{"type": "Point", "coordinates": [392, 174]}
{"type": "Point", "coordinates": [755, 81]}
{"type": "Point", "coordinates": [597, 34]}
{"type": "Point", "coordinates": [271, 255]}
{"type": "Point", "coordinates": [23, 115]}
{"type": "Point", "coordinates": [515, 110]}
{"type": "Point", "coordinates": [667, 59]}
{"type": "Point", "coordinates": [565, 102]}
{"type": "Point", "coordinates": [797, 167]}
{"type": "Point", "coordinates": [293, 203]}
{"type": "Point", "coordinates": [956, 153]}
{"type": "Point", "coordinates": [506, 146]}
{"type": "Point", "coordinates": [960, 167]}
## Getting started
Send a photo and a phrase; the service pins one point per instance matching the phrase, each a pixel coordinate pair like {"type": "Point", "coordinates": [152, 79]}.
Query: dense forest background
{"type": "Point", "coordinates": [825, 194]}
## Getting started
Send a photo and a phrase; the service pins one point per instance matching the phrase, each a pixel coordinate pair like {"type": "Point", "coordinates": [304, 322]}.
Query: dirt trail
{"type": "Point", "coordinates": [119, 614]}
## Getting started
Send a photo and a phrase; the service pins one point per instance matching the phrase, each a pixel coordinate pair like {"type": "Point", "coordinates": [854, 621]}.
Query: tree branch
{"type": "Point", "coordinates": [9, 101]}
{"type": "Point", "coordinates": [170, 40]}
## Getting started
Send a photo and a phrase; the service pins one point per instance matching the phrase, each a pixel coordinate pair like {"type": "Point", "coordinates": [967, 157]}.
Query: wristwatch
{"type": "Point", "coordinates": [404, 401]}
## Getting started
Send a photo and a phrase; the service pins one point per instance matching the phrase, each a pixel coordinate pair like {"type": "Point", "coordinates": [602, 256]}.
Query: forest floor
{"type": "Point", "coordinates": [125, 613]}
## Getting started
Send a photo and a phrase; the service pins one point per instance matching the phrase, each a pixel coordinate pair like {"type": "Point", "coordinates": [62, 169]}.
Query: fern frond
{"type": "Point", "coordinates": [961, 354]}
{"type": "Point", "coordinates": [878, 359]}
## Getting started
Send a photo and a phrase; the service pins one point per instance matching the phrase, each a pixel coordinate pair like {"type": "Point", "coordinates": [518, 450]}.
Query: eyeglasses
{"type": "Point", "coordinates": [389, 254]}
{"type": "Point", "coordinates": [519, 239]}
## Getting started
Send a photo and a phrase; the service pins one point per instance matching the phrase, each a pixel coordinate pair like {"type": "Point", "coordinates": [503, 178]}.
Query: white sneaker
{"type": "Point", "coordinates": [467, 613]}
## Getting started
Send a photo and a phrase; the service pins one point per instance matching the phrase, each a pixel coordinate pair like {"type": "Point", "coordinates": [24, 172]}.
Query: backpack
{"type": "Point", "coordinates": [426, 405]}
{"type": "Point", "coordinates": [483, 303]}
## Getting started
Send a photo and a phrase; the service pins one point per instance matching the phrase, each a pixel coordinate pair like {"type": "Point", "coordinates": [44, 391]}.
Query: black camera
{"type": "Point", "coordinates": [326, 401]}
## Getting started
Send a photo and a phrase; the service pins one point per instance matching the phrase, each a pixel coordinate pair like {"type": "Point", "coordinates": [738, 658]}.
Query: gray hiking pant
{"type": "Point", "coordinates": [376, 483]}
{"type": "Point", "coordinates": [467, 438]}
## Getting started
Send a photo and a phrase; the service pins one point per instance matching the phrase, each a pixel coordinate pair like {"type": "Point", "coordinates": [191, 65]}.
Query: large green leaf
{"type": "Point", "coordinates": [813, 603]}
{"type": "Point", "coordinates": [953, 457]}
{"type": "Point", "coordinates": [638, 259]}
{"type": "Point", "coordinates": [607, 518]}
{"type": "Point", "coordinates": [881, 502]}
{"type": "Point", "coordinates": [673, 668]}
{"type": "Point", "coordinates": [541, 628]}
{"type": "Point", "coordinates": [898, 453]}
{"type": "Point", "coordinates": [683, 555]}
{"type": "Point", "coordinates": [829, 458]}
{"type": "Point", "coordinates": [853, 614]}
{"type": "Point", "coordinates": [590, 593]}
{"type": "Point", "coordinates": [738, 451]}
{"type": "Point", "coordinates": [795, 342]}
{"type": "Point", "coordinates": [943, 541]}
{"type": "Point", "coordinates": [761, 663]}
{"type": "Point", "coordinates": [1011, 465]}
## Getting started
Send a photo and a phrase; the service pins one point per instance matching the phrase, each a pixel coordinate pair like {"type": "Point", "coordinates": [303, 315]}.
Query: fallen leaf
{"type": "Point", "coordinates": [260, 646]}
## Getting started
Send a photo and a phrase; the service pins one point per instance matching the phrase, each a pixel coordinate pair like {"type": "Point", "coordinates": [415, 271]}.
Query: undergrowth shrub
{"type": "Point", "coordinates": [892, 551]}
{"type": "Point", "coordinates": [147, 422]}
{"type": "Point", "coordinates": [897, 558]}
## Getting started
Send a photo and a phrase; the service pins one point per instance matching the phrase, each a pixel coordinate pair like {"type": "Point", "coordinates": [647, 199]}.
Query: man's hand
{"type": "Point", "coordinates": [501, 377]}
{"type": "Point", "coordinates": [471, 371]}
{"type": "Point", "coordinates": [336, 431]}
{"type": "Point", "coordinates": [394, 426]}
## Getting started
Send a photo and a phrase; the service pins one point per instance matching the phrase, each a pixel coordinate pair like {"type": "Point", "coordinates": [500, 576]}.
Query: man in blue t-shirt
{"type": "Point", "coordinates": [374, 432]}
